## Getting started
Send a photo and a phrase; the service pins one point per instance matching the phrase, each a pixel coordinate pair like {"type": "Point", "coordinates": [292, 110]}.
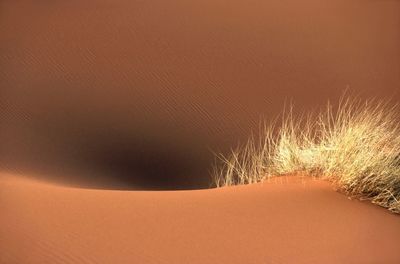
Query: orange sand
{"type": "Point", "coordinates": [83, 80]}
{"type": "Point", "coordinates": [288, 220]}
{"type": "Point", "coordinates": [134, 95]}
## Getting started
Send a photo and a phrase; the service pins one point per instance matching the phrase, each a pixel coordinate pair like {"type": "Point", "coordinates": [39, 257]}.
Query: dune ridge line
{"type": "Point", "coordinates": [354, 144]}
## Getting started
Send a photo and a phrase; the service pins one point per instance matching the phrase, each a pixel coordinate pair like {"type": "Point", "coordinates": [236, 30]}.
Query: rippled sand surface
{"type": "Point", "coordinates": [144, 91]}
{"type": "Point", "coordinates": [102, 101]}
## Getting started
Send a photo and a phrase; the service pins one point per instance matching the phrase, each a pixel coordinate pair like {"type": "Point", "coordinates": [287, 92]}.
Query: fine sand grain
{"type": "Point", "coordinates": [284, 220]}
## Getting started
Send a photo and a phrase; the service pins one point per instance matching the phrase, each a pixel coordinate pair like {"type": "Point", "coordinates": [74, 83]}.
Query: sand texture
{"type": "Point", "coordinates": [286, 220]}
{"type": "Point", "coordinates": [148, 88]}
{"type": "Point", "coordinates": [104, 102]}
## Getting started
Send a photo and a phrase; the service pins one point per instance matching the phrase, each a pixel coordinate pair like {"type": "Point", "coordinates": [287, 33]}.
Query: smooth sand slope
{"type": "Point", "coordinates": [287, 220]}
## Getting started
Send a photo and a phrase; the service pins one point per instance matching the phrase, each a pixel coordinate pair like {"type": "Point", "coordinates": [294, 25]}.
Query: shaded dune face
{"type": "Point", "coordinates": [137, 94]}
{"type": "Point", "coordinates": [145, 163]}
{"type": "Point", "coordinates": [89, 154]}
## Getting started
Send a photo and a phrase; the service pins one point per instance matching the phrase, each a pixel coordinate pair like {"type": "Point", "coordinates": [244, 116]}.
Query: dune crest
{"type": "Point", "coordinates": [284, 220]}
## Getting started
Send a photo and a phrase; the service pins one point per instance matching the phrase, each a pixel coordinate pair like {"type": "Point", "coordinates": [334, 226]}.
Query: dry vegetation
{"type": "Point", "coordinates": [356, 145]}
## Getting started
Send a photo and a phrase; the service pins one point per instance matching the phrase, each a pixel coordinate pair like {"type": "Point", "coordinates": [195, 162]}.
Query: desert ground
{"type": "Point", "coordinates": [111, 112]}
{"type": "Point", "coordinates": [285, 220]}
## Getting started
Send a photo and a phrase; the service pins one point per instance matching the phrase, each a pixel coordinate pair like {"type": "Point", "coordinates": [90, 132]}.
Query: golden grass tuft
{"type": "Point", "coordinates": [355, 145]}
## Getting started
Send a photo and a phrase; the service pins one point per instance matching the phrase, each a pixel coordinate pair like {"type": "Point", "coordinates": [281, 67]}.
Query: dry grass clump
{"type": "Point", "coordinates": [357, 146]}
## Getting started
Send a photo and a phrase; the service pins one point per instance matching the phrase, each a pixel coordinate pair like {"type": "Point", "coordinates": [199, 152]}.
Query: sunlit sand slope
{"type": "Point", "coordinates": [287, 220]}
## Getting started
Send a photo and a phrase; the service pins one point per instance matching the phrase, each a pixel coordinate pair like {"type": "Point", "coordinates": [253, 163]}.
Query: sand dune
{"type": "Point", "coordinates": [84, 82]}
{"type": "Point", "coordinates": [99, 96]}
{"type": "Point", "coordinates": [287, 220]}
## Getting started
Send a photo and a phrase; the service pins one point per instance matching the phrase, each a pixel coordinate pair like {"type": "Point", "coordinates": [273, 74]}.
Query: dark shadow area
{"type": "Point", "coordinates": [146, 165]}
{"type": "Point", "coordinates": [80, 153]}
{"type": "Point", "coordinates": [119, 168]}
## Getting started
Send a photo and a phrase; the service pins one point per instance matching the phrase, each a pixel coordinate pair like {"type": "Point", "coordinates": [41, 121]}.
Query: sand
{"type": "Point", "coordinates": [83, 82]}
{"type": "Point", "coordinates": [108, 95]}
{"type": "Point", "coordinates": [287, 220]}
